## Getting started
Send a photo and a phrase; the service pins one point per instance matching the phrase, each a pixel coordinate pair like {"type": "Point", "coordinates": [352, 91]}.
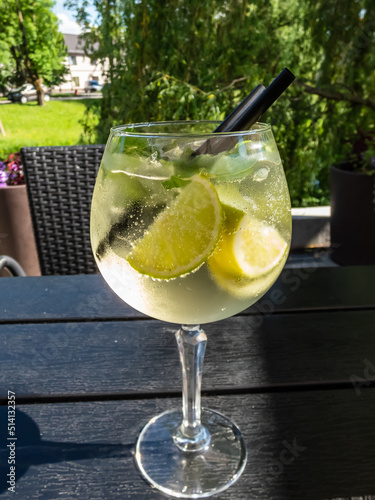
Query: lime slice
{"type": "Point", "coordinates": [248, 248]}
{"type": "Point", "coordinates": [183, 235]}
{"type": "Point", "coordinates": [258, 247]}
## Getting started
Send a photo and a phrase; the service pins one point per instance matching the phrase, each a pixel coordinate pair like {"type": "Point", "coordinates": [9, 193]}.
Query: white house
{"type": "Point", "coordinates": [82, 68]}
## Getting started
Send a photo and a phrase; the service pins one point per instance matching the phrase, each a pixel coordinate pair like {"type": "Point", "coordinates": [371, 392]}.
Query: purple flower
{"type": "Point", "coordinates": [3, 178]}
{"type": "Point", "coordinates": [11, 172]}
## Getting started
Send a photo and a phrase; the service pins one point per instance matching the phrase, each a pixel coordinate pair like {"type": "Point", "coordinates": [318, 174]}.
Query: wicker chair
{"type": "Point", "coordinates": [60, 181]}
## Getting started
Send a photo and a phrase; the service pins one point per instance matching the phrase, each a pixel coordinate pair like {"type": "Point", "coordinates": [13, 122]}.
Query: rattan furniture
{"type": "Point", "coordinates": [60, 181]}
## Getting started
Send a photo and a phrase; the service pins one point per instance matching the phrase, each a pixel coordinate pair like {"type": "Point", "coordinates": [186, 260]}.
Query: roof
{"type": "Point", "coordinates": [75, 44]}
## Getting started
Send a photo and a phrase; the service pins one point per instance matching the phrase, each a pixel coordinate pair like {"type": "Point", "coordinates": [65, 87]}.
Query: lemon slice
{"type": "Point", "coordinates": [248, 248]}
{"type": "Point", "coordinates": [183, 235]}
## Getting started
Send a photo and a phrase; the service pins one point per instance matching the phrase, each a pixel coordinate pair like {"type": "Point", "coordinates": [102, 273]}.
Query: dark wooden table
{"type": "Point", "coordinates": [296, 373]}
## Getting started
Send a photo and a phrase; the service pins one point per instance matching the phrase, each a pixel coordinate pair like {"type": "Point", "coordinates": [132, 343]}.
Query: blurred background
{"type": "Point", "coordinates": [197, 59]}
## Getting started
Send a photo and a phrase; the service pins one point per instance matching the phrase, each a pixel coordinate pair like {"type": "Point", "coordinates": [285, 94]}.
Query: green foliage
{"type": "Point", "coordinates": [7, 66]}
{"type": "Point", "coordinates": [194, 59]}
{"type": "Point", "coordinates": [31, 43]}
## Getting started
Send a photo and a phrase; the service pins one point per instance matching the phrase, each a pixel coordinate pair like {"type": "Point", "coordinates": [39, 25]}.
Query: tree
{"type": "Point", "coordinates": [196, 59]}
{"type": "Point", "coordinates": [32, 41]}
{"type": "Point", "coordinates": [7, 66]}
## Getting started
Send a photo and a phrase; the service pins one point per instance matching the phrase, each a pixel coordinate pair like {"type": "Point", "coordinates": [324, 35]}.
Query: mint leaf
{"type": "Point", "coordinates": [175, 182]}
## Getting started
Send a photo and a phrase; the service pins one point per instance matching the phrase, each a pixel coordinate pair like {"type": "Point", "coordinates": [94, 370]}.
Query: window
{"type": "Point", "coordinates": [72, 60]}
{"type": "Point", "coordinates": [27, 87]}
{"type": "Point", "coordinates": [76, 81]}
{"type": "Point", "coordinates": [93, 62]}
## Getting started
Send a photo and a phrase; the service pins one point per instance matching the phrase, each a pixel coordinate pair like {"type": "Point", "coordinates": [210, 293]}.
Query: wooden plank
{"type": "Point", "coordinates": [51, 298]}
{"type": "Point", "coordinates": [307, 446]}
{"type": "Point", "coordinates": [244, 353]}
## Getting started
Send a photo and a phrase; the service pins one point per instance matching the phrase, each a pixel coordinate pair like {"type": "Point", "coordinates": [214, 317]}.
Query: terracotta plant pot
{"type": "Point", "coordinates": [16, 232]}
{"type": "Point", "coordinates": [352, 217]}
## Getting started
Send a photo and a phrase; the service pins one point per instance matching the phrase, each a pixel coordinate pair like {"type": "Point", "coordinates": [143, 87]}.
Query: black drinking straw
{"type": "Point", "coordinates": [241, 111]}
{"type": "Point", "coordinates": [266, 99]}
{"type": "Point", "coordinates": [217, 145]}
{"type": "Point", "coordinates": [246, 114]}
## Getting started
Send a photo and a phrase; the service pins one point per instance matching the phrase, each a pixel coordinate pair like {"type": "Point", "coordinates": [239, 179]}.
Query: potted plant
{"type": "Point", "coordinates": [353, 204]}
{"type": "Point", "coordinates": [16, 232]}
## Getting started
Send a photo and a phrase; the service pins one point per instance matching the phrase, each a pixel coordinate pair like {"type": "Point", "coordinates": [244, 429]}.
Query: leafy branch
{"type": "Point", "coordinates": [337, 96]}
{"type": "Point", "coordinates": [166, 78]}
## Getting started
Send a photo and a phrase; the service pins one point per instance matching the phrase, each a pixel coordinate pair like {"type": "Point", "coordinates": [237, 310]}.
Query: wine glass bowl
{"type": "Point", "coordinates": [132, 191]}
{"type": "Point", "coordinates": [190, 227]}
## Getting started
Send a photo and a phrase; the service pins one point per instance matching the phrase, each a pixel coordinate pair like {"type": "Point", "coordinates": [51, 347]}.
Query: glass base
{"type": "Point", "coordinates": [197, 474]}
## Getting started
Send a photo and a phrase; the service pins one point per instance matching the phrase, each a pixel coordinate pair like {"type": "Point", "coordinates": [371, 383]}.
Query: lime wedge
{"type": "Point", "coordinates": [248, 248]}
{"type": "Point", "coordinates": [183, 235]}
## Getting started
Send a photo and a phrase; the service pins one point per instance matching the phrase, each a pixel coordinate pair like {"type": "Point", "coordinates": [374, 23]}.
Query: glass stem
{"type": "Point", "coordinates": [191, 342]}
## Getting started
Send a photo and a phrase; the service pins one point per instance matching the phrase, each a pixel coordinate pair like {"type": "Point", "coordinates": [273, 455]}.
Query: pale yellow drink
{"type": "Point", "coordinates": [133, 192]}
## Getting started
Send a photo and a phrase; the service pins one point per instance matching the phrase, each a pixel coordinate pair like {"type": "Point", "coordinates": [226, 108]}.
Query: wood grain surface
{"type": "Point", "coordinates": [296, 372]}
{"type": "Point", "coordinates": [313, 446]}
{"type": "Point", "coordinates": [80, 297]}
{"type": "Point", "coordinates": [140, 357]}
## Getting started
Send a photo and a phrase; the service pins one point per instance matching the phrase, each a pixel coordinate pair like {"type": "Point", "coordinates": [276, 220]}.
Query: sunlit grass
{"type": "Point", "coordinates": [55, 124]}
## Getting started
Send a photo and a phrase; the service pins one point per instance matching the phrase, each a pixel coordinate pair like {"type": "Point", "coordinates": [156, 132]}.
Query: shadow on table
{"type": "Point", "coordinates": [317, 443]}
{"type": "Point", "coordinates": [27, 448]}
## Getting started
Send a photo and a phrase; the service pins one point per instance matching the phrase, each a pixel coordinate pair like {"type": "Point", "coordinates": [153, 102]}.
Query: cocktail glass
{"type": "Point", "coordinates": [190, 227]}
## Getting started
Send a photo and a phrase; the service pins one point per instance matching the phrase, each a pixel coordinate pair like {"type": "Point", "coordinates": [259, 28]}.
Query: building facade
{"type": "Point", "coordinates": [82, 68]}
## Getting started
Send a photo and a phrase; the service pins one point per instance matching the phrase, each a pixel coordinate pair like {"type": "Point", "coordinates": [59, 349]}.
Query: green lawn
{"type": "Point", "coordinates": [55, 124]}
